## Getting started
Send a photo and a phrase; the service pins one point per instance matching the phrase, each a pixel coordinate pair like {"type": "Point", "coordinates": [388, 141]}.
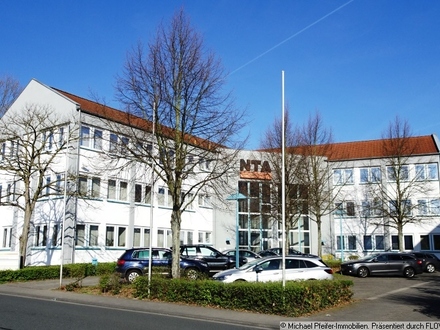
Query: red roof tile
{"type": "Point", "coordinates": [109, 113]}
{"type": "Point", "coordinates": [419, 145]}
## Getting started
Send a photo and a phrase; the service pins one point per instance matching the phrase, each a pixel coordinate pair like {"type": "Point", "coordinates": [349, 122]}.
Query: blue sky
{"type": "Point", "coordinates": [359, 63]}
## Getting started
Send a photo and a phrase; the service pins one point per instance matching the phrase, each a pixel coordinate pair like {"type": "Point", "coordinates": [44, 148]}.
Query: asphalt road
{"type": "Point", "coordinates": [39, 304]}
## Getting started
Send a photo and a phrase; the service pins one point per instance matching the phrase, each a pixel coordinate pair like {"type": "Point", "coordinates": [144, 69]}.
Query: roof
{"type": "Point", "coordinates": [109, 113]}
{"type": "Point", "coordinates": [343, 151]}
{"type": "Point", "coordinates": [418, 145]}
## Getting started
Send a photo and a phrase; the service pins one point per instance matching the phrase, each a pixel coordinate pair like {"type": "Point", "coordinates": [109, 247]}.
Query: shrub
{"type": "Point", "coordinates": [296, 299]}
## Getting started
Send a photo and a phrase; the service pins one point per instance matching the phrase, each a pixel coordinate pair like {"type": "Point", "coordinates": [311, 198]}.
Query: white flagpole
{"type": "Point", "coordinates": [65, 202]}
{"type": "Point", "coordinates": [283, 185]}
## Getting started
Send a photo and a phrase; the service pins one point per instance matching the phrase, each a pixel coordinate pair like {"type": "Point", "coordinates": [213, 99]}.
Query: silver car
{"type": "Point", "coordinates": [270, 269]}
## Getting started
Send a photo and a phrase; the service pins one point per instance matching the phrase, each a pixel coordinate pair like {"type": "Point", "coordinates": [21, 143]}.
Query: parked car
{"type": "Point", "coordinates": [279, 251]}
{"type": "Point", "coordinates": [430, 262]}
{"type": "Point", "coordinates": [216, 260]}
{"type": "Point", "coordinates": [387, 263]}
{"type": "Point", "coordinates": [245, 255]}
{"type": "Point", "coordinates": [134, 262]}
{"type": "Point", "coordinates": [270, 269]}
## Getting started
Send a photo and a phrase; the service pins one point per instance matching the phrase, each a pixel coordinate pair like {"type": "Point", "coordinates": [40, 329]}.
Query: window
{"type": "Point", "coordinates": [204, 200]}
{"type": "Point", "coordinates": [55, 230]}
{"type": "Point", "coordinates": [83, 186]}
{"type": "Point", "coordinates": [436, 241]}
{"type": "Point", "coordinates": [121, 236]}
{"type": "Point", "coordinates": [345, 209]}
{"type": "Point", "coordinates": [111, 190]}
{"type": "Point", "coordinates": [407, 242]}
{"type": "Point", "coordinates": [398, 172]}
{"type": "Point", "coordinates": [93, 235]}
{"type": "Point", "coordinates": [161, 196]}
{"type": "Point", "coordinates": [379, 240]}
{"type": "Point", "coordinates": [61, 138]}
{"type": "Point", "coordinates": [428, 206]}
{"type": "Point", "coordinates": [204, 237]}
{"type": "Point", "coordinates": [397, 208]}
{"type": "Point", "coordinates": [351, 242]}
{"type": "Point", "coordinates": [424, 242]}
{"type": "Point", "coordinates": [96, 187]}
{"type": "Point", "coordinates": [59, 184]}
{"type": "Point", "coordinates": [48, 140]}
{"type": "Point", "coordinates": [97, 139]}
{"type": "Point", "coordinates": [85, 136]}
{"type": "Point", "coordinates": [368, 243]}
{"type": "Point", "coordinates": [6, 241]}
{"type": "Point", "coordinates": [343, 176]}
{"type": "Point", "coordinates": [426, 172]}
{"type": "Point", "coordinates": [113, 143]}
{"type": "Point", "coordinates": [80, 234]}
{"type": "Point", "coordinates": [41, 235]}
{"type": "Point", "coordinates": [3, 151]}
{"type": "Point", "coordinates": [136, 237]}
{"type": "Point", "coordinates": [146, 236]}
{"type": "Point", "coordinates": [47, 186]}
{"type": "Point", "coordinates": [137, 193]}
{"type": "Point", "coordinates": [370, 175]}
{"type": "Point", "coordinates": [109, 236]}
{"type": "Point", "coordinates": [339, 240]}
{"type": "Point", "coordinates": [123, 191]}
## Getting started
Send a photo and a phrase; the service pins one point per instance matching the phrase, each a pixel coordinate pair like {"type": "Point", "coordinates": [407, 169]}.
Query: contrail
{"type": "Point", "coordinates": [292, 36]}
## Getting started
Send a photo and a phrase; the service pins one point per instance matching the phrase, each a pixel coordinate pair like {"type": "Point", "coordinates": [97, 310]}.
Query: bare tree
{"type": "Point", "coordinates": [32, 140]}
{"type": "Point", "coordinates": [315, 148]}
{"type": "Point", "coordinates": [296, 193]}
{"type": "Point", "coordinates": [9, 90]}
{"type": "Point", "coordinates": [177, 86]}
{"type": "Point", "coordinates": [398, 186]}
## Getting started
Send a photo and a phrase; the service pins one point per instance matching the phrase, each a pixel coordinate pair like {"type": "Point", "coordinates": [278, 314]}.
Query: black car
{"type": "Point", "coordinates": [134, 262]}
{"type": "Point", "coordinates": [387, 263]}
{"type": "Point", "coordinates": [279, 251]}
{"type": "Point", "coordinates": [216, 260]}
{"type": "Point", "coordinates": [430, 261]}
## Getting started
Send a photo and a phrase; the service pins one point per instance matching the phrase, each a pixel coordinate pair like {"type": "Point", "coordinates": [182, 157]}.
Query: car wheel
{"type": "Point", "coordinates": [192, 274]}
{"type": "Point", "coordinates": [132, 275]}
{"type": "Point", "coordinates": [409, 272]}
{"type": "Point", "coordinates": [363, 272]}
{"type": "Point", "coordinates": [430, 268]}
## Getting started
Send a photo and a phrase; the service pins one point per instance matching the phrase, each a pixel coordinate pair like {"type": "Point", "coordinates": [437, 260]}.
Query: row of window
{"type": "Point", "coordinates": [377, 242]}
{"type": "Point", "coordinates": [119, 190]}
{"type": "Point", "coordinates": [420, 172]}
{"type": "Point", "coordinates": [87, 235]}
{"type": "Point", "coordinates": [92, 138]}
{"type": "Point", "coordinates": [424, 207]}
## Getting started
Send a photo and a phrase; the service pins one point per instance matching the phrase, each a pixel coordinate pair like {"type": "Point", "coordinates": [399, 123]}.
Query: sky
{"type": "Point", "coordinates": [358, 63]}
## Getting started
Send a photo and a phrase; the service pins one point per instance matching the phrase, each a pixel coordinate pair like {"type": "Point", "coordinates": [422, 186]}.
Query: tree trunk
{"type": "Point", "coordinates": [175, 231]}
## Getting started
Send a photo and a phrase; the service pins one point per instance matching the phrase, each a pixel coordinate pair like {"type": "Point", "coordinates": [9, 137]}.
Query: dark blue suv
{"type": "Point", "coordinates": [134, 262]}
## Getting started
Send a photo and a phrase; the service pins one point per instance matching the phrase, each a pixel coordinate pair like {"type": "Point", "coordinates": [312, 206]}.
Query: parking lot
{"type": "Point", "coordinates": [389, 299]}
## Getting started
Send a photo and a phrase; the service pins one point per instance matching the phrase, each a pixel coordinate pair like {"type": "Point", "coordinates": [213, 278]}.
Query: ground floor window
{"type": "Point", "coordinates": [430, 242]}
{"type": "Point", "coordinates": [204, 237]}
{"type": "Point", "coordinates": [164, 238]}
{"type": "Point", "coordinates": [7, 237]}
{"type": "Point", "coordinates": [115, 236]}
{"type": "Point", "coordinates": [407, 242]}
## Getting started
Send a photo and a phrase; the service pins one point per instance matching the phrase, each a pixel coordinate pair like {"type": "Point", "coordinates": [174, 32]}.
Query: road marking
{"type": "Point", "coordinates": [398, 290]}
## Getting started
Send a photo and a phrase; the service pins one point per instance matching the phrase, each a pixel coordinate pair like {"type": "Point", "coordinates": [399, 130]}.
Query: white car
{"type": "Point", "coordinates": [269, 269]}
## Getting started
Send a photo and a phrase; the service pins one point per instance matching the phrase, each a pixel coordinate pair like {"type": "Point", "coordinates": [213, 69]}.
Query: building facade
{"type": "Point", "coordinates": [116, 207]}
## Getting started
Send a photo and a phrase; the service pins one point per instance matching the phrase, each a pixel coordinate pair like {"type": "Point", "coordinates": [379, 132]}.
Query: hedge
{"type": "Point", "coordinates": [296, 299]}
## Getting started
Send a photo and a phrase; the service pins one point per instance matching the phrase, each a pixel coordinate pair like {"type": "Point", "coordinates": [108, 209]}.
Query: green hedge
{"type": "Point", "coordinates": [297, 298]}
{"type": "Point", "coordinates": [78, 271]}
